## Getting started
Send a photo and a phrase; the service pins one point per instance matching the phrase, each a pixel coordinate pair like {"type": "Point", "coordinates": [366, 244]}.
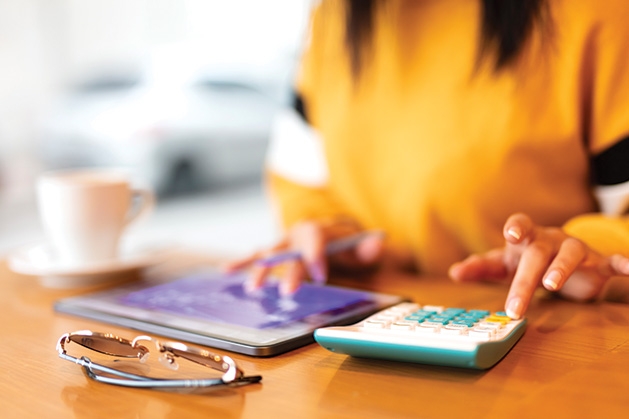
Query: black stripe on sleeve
{"type": "Point", "coordinates": [299, 106]}
{"type": "Point", "coordinates": [611, 166]}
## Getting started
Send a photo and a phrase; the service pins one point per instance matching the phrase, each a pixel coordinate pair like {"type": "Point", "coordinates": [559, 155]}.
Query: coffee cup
{"type": "Point", "coordinates": [84, 213]}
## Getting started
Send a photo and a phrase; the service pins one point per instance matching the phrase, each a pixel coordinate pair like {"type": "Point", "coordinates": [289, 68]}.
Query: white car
{"type": "Point", "coordinates": [204, 131]}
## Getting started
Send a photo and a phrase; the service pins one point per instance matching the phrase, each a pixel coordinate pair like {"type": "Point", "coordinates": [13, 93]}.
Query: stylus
{"type": "Point", "coordinates": [334, 246]}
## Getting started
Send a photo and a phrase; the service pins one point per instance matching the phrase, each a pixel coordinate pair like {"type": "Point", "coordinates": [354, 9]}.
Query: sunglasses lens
{"type": "Point", "coordinates": [202, 357]}
{"type": "Point", "coordinates": [107, 344]}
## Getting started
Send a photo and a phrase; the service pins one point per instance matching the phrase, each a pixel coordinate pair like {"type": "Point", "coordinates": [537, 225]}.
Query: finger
{"type": "Point", "coordinates": [366, 252]}
{"type": "Point", "coordinates": [619, 264]}
{"type": "Point", "coordinates": [571, 254]}
{"type": "Point", "coordinates": [518, 229]}
{"type": "Point", "coordinates": [309, 238]}
{"type": "Point", "coordinates": [480, 267]}
{"type": "Point", "coordinates": [294, 276]}
{"type": "Point", "coordinates": [257, 276]}
{"type": "Point", "coordinates": [583, 285]}
{"type": "Point", "coordinates": [370, 249]}
{"type": "Point", "coordinates": [528, 275]}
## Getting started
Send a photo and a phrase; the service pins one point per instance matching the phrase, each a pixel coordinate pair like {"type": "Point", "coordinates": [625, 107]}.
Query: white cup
{"type": "Point", "coordinates": [84, 213]}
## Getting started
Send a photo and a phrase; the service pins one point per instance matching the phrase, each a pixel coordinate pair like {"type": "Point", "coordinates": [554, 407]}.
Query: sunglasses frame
{"type": "Point", "coordinates": [113, 345]}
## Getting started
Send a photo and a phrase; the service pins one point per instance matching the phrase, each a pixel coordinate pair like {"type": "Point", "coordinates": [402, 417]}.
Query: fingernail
{"type": "Point", "coordinates": [453, 267]}
{"type": "Point", "coordinates": [552, 280]}
{"type": "Point", "coordinates": [453, 272]}
{"type": "Point", "coordinates": [317, 273]}
{"type": "Point", "coordinates": [370, 248]}
{"type": "Point", "coordinates": [514, 308]}
{"type": "Point", "coordinates": [286, 290]}
{"type": "Point", "coordinates": [248, 287]}
{"type": "Point", "coordinates": [515, 232]}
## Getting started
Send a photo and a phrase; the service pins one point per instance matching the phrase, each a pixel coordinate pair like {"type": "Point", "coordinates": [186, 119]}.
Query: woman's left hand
{"type": "Point", "coordinates": [535, 255]}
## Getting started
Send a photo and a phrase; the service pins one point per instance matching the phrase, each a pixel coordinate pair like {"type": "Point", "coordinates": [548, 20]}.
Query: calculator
{"type": "Point", "coordinates": [428, 334]}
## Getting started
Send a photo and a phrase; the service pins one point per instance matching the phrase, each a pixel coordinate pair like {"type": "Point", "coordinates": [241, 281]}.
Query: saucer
{"type": "Point", "coordinates": [38, 260]}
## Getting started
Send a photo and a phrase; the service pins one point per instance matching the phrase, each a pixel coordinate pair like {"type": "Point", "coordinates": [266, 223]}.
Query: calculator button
{"type": "Point", "coordinates": [498, 319]}
{"type": "Point", "coordinates": [385, 317]}
{"type": "Point", "coordinates": [482, 332]}
{"type": "Point", "coordinates": [439, 319]}
{"type": "Point", "coordinates": [402, 326]}
{"type": "Point", "coordinates": [424, 313]}
{"type": "Point", "coordinates": [405, 308]}
{"type": "Point", "coordinates": [464, 322]}
{"type": "Point", "coordinates": [490, 325]}
{"type": "Point", "coordinates": [375, 324]}
{"type": "Point", "coordinates": [428, 328]}
{"type": "Point", "coordinates": [454, 311]}
{"type": "Point", "coordinates": [479, 313]}
{"type": "Point", "coordinates": [452, 329]}
{"type": "Point", "coordinates": [437, 309]}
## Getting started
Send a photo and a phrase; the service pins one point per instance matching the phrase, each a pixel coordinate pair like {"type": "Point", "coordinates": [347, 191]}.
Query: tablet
{"type": "Point", "coordinates": [214, 309]}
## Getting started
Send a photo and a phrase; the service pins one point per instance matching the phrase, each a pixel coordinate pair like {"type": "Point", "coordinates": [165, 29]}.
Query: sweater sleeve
{"type": "Point", "coordinates": [606, 121]}
{"type": "Point", "coordinates": [604, 234]}
{"type": "Point", "coordinates": [294, 202]}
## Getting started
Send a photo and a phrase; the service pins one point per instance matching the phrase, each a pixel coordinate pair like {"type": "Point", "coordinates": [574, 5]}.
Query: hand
{"type": "Point", "coordinates": [310, 238]}
{"type": "Point", "coordinates": [535, 255]}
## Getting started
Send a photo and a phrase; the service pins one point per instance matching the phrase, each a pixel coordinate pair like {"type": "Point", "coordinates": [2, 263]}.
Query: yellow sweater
{"type": "Point", "coordinates": [437, 154]}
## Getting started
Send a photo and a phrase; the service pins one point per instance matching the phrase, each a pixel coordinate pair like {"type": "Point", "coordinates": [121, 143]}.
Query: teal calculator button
{"type": "Point", "coordinates": [439, 319]}
{"type": "Point", "coordinates": [479, 312]}
{"type": "Point", "coordinates": [454, 310]}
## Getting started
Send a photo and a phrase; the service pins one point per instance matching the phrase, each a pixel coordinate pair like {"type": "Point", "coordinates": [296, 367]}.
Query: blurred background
{"type": "Point", "coordinates": [182, 92]}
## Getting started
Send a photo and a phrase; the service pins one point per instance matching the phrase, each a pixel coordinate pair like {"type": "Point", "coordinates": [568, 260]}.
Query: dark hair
{"type": "Point", "coordinates": [506, 24]}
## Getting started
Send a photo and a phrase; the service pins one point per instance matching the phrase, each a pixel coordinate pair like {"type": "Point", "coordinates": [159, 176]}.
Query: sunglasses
{"type": "Point", "coordinates": [109, 344]}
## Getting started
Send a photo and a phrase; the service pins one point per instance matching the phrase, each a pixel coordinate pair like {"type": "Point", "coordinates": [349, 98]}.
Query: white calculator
{"type": "Point", "coordinates": [428, 334]}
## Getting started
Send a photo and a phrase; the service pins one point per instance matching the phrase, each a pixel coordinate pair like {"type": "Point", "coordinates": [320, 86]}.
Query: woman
{"type": "Point", "coordinates": [495, 132]}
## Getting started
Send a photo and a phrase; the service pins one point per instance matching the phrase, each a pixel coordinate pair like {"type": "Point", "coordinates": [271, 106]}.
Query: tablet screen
{"type": "Point", "coordinates": [214, 309]}
{"type": "Point", "coordinates": [225, 300]}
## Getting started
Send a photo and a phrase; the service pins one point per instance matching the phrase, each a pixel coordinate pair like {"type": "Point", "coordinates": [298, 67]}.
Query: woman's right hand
{"type": "Point", "coordinates": [310, 239]}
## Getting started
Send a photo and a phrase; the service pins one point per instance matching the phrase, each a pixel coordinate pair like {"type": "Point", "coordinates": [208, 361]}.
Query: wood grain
{"type": "Point", "coordinates": [573, 361]}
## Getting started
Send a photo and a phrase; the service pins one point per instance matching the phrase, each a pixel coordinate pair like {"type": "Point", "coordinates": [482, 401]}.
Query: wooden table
{"type": "Point", "coordinates": [572, 362]}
